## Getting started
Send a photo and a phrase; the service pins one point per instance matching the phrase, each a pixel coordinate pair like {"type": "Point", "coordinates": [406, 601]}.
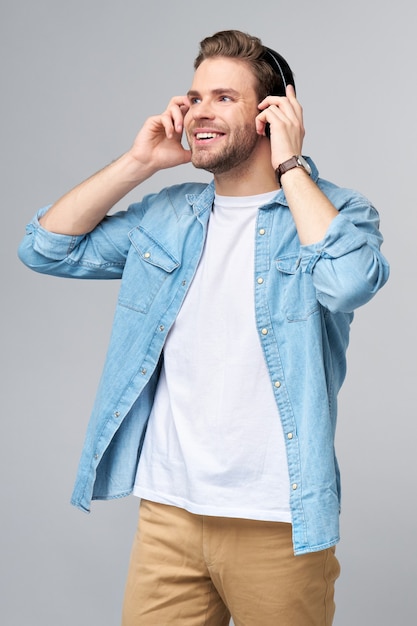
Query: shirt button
{"type": "Point", "coordinates": [290, 435]}
{"type": "Point", "coordinates": [260, 281]}
{"type": "Point", "coordinates": [147, 255]}
{"type": "Point", "coordinates": [264, 331]}
{"type": "Point", "coordinates": [162, 328]}
{"type": "Point", "coordinates": [96, 456]}
{"type": "Point", "coordinates": [262, 231]}
{"type": "Point", "coordinates": [277, 384]}
{"type": "Point", "coordinates": [294, 486]}
{"type": "Point", "coordinates": [117, 414]}
{"type": "Point", "coordinates": [144, 370]}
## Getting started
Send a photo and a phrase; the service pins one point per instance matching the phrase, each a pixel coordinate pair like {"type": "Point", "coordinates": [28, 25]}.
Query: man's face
{"type": "Point", "coordinates": [220, 124]}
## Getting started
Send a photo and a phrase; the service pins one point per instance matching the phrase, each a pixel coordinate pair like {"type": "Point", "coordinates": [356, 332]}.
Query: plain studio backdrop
{"type": "Point", "coordinates": [78, 80]}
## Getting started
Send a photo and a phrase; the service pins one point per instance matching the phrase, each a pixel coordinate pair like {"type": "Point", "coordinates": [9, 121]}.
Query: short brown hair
{"type": "Point", "coordinates": [238, 45]}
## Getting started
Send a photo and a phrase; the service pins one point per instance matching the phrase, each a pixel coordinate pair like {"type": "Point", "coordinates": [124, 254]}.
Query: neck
{"type": "Point", "coordinates": [250, 178]}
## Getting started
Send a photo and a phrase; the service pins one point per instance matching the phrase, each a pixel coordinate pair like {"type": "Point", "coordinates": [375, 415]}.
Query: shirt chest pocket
{"type": "Point", "coordinates": [148, 265]}
{"type": "Point", "coordinates": [296, 289]}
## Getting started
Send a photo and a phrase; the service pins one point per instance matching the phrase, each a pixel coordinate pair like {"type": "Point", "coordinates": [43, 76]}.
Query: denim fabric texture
{"type": "Point", "coordinates": [304, 307]}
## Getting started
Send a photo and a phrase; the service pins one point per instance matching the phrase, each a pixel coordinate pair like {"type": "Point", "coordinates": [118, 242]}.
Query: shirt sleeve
{"type": "Point", "coordinates": [347, 265]}
{"type": "Point", "coordinates": [99, 254]}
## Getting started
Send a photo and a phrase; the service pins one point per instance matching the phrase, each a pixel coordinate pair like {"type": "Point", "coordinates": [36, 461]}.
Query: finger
{"type": "Point", "coordinates": [290, 91]}
{"type": "Point", "coordinates": [266, 102]}
{"type": "Point", "coordinates": [171, 120]}
{"type": "Point", "coordinates": [283, 113]}
{"type": "Point", "coordinates": [179, 100]}
{"type": "Point", "coordinates": [178, 107]}
{"type": "Point", "coordinates": [286, 126]}
{"type": "Point", "coordinates": [288, 111]}
{"type": "Point", "coordinates": [168, 124]}
{"type": "Point", "coordinates": [260, 123]}
{"type": "Point", "coordinates": [287, 103]}
{"type": "Point", "coordinates": [294, 102]}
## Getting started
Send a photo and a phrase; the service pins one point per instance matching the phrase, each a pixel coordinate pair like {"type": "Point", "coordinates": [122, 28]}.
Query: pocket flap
{"type": "Point", "coordinates": [151, 250]}
{"type": "Point", "coordinates": [288, 264]}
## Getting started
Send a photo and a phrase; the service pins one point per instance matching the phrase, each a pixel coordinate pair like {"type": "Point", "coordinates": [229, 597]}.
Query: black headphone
{"type": "Point", "coordinates": [284, 75]}
{"type": "Point", "coordinates": [282, 70]}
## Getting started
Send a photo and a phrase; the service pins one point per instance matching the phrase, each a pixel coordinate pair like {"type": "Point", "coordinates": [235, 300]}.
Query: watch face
{"type": "Point", "coordinates": [304, 164]}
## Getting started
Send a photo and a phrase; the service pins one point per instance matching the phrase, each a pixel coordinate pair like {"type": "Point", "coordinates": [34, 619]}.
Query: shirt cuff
{"type": "Point", "coordinates": [51, 245]}
{"type": "Point", "coordinates": [341, 238]}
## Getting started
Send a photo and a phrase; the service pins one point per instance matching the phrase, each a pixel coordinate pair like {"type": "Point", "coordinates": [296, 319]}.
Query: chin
{"type": "Point", "coordinates": [204, 164]}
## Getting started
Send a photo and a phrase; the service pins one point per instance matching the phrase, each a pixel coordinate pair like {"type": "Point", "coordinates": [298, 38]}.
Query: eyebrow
{"type": "Point", "coordinates": [219, 91]}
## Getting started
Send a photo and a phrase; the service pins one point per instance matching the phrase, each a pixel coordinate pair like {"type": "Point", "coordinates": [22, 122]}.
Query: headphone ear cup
{"type": "Point", "coordinates": [280, 66]}
{"type": "Point", "coordinates": [284, 76]}
{"type": "Point", "coordinates": [268, 130]}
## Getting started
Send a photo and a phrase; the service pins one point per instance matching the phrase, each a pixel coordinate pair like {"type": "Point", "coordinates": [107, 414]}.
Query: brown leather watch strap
{"type": "Point", "coordinates": [285, 166]}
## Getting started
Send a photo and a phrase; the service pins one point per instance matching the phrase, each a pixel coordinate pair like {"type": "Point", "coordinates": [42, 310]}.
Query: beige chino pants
{"type": "Point", "coordinates": [195, 570]}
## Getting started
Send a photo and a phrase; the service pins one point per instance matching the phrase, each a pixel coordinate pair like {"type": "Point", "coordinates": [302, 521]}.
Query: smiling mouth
{"type": "Point", "coordinates": [205, 136]}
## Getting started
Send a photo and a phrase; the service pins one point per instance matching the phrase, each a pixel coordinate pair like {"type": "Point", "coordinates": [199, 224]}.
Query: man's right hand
{"type": "Point", "coordinates": [157, 146]}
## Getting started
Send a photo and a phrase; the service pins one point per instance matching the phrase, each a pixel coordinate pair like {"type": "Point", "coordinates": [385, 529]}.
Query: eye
{"type": "Point", "coordinates": [195, 100]}
{"type": "Point", "coordinates": [225, 98]}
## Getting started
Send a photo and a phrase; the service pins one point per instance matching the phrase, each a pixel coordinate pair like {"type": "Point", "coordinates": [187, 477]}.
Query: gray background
{"type": "Point", "coordinates": [78, 79]}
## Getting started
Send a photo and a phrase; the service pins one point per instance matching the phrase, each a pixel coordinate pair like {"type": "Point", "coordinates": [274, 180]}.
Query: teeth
{"type": "Point", "coordinates": [207, 135]}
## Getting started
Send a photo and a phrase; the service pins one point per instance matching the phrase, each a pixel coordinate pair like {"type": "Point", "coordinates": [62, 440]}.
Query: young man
{"type": "Point", "coordinates": [217, 404]}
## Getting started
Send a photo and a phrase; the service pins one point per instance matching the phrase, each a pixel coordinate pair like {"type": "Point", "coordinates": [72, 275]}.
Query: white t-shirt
{"type": "Point", "coordinates": [214, 443]}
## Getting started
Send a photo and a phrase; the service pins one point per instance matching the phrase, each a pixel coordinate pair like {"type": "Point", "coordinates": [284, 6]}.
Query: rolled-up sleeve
{"type": "Point", "coordinates": [99, 254]}
{"type": "Point", "coordinates": [347, 266]}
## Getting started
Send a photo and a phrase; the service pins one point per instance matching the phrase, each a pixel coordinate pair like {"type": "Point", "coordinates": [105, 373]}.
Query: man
{"type": "Point", "coordinates": [217, 404]}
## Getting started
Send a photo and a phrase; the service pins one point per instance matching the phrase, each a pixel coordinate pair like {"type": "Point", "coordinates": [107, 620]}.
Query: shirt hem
{"type": "Point", "coordinates": [199, 509]}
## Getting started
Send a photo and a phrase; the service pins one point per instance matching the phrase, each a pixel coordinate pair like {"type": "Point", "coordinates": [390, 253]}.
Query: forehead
{"type": "Point", "coordinates": [224, 73]}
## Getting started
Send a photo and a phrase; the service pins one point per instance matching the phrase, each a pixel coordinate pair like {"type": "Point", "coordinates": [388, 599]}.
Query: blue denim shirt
{"type": "Point", "coordinates": [303, 307]}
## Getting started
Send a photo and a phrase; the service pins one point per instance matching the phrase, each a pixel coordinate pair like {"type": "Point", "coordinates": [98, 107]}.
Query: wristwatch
{"type": "Point", "coordinates": [295, 161]}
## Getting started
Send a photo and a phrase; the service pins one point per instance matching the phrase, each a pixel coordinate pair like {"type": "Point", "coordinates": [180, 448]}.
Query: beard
{"type": "Point", "coordinates": [237, 152]}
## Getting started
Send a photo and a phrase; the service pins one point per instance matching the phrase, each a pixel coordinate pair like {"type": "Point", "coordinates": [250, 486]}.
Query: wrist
{"type": "Point", "coordinates": [136, 170]}
{"type": "Point", "coordinates": [295, 162]}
